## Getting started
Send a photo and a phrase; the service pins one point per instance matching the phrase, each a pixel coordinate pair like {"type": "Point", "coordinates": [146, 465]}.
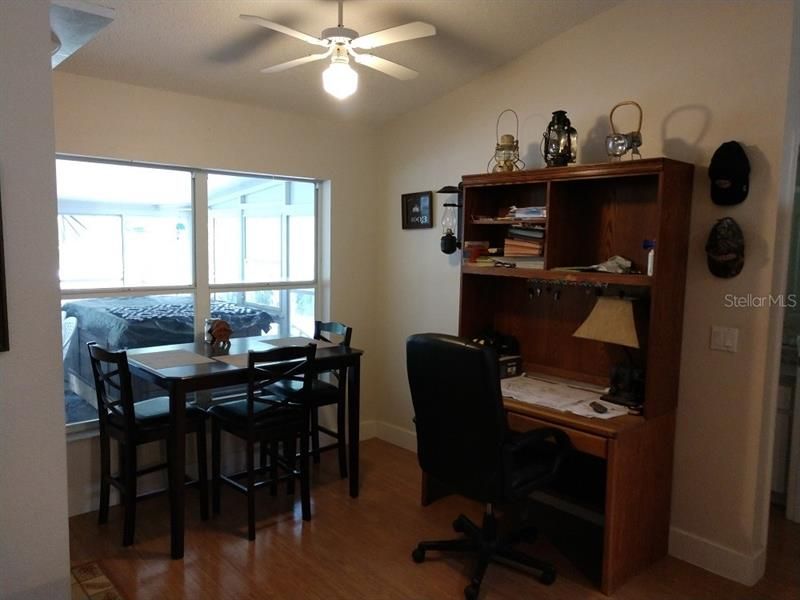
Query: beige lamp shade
{"type": "Point", "coordinates": [611, 320]}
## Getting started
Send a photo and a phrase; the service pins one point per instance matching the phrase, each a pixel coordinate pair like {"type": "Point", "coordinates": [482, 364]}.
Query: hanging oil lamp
{"type": "Point", "coordinates": [559, 141]}
{"type": "Point", "coordinates": [449, 242]}
{"type": "Point", "coordinates": [506, 151]}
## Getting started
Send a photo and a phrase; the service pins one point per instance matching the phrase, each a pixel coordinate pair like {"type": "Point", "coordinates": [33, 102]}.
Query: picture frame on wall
{"type": "Point", "coordinates": [3, 308]}
{"type": "Point", "coordinates": [417, 210]}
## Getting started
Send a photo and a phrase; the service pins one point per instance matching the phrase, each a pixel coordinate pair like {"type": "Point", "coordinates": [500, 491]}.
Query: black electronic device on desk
{"type": "Point", "coordinates": [627, 388]}
{"type": "Point", "coordinates": [507, 348]}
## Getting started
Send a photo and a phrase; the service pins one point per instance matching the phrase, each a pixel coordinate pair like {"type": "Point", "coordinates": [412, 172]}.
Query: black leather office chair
{"type": "Point", "coordinates": [463, 442]}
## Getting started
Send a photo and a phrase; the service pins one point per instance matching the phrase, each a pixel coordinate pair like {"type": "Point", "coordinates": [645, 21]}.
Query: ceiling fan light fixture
{"type": "Point", "coordinates": [340, 42]}
{"type": "Point", "coordinates": [340, 80]}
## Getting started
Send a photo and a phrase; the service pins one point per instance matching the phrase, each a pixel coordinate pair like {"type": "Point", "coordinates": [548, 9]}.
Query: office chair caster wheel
{"type": "Point", "coordinates": [458, 525]}
{"type": "Point", "coordinates": [547, 577]}
{"type": "Point", "coordinates": [471, 592]}
{"type": "Point", "coordinates": [418, 555]}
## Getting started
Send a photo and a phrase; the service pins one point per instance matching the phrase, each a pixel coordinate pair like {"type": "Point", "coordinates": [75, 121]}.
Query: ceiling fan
{"type": "Point", "coordinates": [341, 43]}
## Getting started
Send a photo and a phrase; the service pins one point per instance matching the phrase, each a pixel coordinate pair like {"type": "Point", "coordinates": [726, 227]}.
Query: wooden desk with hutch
{"type": "Point", "coordinates": [594, 212]}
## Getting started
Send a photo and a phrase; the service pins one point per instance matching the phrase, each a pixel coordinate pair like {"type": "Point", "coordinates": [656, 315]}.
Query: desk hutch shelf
{"type": "Point", "coordinates": [594, 212]}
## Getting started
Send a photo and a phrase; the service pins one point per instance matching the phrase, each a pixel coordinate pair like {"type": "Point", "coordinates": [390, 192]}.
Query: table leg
{"type": "Point", "coordinates": [177, 467]}
{"type": "Point", "coordinates": [354, 419]}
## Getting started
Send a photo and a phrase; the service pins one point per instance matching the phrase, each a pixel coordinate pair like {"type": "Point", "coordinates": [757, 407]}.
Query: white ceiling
{"type": "Point", "coordinates": [201, 47]}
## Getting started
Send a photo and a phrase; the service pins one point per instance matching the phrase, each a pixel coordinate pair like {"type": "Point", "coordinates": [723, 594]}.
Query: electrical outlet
{"type": "Point", "coordinates": [725, 339]}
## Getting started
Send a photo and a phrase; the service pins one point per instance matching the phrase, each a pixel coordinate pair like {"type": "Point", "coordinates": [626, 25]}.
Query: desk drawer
{"type": "Point", "coordinates": [583, 442]}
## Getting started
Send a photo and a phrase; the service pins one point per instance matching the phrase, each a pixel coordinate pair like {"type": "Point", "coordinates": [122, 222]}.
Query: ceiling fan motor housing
{"type": "Point", "coordinates": [339, 34]}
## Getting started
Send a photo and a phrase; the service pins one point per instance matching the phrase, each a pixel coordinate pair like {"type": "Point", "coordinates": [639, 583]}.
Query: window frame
{"type": "Point", "coordinates": [200, 288]}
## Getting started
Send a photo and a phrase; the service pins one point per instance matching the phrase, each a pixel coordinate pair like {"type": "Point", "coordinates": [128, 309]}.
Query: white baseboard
{"type": "Point", "coordinates": [89, 499]}
{"type": "Point", "coordinates": [398, 436]}
{"type": "Point", "coordinates": [720, 560]}
{"type": "Point", "coordinates": [368, 430]}
{"type": "Point", "coordinates": [88, 496]}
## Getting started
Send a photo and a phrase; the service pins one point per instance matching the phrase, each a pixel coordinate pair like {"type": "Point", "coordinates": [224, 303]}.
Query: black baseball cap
{"type": "Point", "coordinates": [729, 173]}
{"type": "Point", "coordinates": [725, 249]}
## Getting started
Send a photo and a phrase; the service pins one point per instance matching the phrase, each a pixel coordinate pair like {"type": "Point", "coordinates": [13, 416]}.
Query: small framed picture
{"type": "Point", "coordinates": [418, 210]}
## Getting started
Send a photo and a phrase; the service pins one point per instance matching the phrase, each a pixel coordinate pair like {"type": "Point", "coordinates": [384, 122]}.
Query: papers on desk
{"type": "Point", "coordinates": [170, 358]}
{"type": "Point", "coordinates": [558, 395]}
{"type": "Point", "coordinates": [298, 341]}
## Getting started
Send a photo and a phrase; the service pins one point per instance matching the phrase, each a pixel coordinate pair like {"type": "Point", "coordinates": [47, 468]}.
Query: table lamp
{"type": "Point", "coordinates": [611, 321]}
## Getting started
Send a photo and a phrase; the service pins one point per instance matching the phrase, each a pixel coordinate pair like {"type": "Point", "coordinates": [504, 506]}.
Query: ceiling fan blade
{"type": "Point", "coordinates": [401, 33]}
{"type": "Point", "coordinates": [385, 66]}
{"type": "Point", "coordinates": [296, 62]}
{"type": "Point", "coordinates": [310, 39]}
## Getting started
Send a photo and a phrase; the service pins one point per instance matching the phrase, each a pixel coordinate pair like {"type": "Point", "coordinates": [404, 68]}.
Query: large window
{"type": "Point", "coordinates": [134, 272]}
{"type": "Point", "coordinates": [261, 243]}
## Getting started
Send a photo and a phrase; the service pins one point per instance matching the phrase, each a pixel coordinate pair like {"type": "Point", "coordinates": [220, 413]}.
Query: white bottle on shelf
{"type": "Point", "coordinates": [650, 246]}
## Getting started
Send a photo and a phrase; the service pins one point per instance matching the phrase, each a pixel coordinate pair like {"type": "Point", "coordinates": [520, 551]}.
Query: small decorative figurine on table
{"type": "Point", "coordinates": [219, 334]}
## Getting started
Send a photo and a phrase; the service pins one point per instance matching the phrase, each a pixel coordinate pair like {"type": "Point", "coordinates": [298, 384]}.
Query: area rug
{"type": "Point", "coordinates": [89, 582]}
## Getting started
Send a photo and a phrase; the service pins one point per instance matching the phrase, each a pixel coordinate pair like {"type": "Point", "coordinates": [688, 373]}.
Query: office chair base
{"type": "Point", "coordinates": [484, 542]}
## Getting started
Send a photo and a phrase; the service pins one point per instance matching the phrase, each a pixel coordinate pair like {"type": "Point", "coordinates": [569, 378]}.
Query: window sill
{"type": "Point", "coordinates": [82, 431]}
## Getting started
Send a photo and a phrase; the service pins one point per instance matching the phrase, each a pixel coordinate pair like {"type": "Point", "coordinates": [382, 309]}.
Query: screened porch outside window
{"type": "Point", "coordinates": [135, 271]}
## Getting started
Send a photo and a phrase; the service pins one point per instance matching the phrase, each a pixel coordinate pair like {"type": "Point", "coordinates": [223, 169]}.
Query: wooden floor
{"type": "Point", "coordinates": [361, 549]}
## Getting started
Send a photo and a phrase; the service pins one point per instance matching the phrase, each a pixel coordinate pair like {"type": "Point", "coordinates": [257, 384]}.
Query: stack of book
{"type": "Point", "coordinates": [525, 246]}
{"type": "Point", "coordinates": [527, 212]}
{"type": "Point", "coordinates": [515, 247]}
{"type": "Point", "coordinates": [523, 262]}
{"type": "Point", "coordinates": [524, 241]}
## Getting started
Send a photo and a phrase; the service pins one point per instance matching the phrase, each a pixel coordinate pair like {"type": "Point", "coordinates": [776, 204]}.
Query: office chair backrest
{"type": "Point", "coordinates": [459, 415]}
{"type": "Point", "coordinates": [112, 383]}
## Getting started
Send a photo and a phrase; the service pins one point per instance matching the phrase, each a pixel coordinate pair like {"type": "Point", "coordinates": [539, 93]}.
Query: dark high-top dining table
{"type": "Point", "coordinates": [181, 380]}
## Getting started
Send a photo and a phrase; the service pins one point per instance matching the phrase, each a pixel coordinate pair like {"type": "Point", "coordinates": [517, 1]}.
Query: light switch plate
{"type": "Point", "coordinates": [725, 339]}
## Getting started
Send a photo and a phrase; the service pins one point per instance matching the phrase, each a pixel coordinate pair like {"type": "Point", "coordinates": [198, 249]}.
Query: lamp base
{"type": "Point", "coordinates": [627, 388]}
{"type": "Point", "coordinates": [624, 399]}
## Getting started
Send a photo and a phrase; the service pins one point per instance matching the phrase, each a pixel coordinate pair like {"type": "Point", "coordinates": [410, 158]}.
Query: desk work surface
{"type": "Point", "coordinates": [607, 428]}
{"type": "Point", "coordinates": [558, 394]}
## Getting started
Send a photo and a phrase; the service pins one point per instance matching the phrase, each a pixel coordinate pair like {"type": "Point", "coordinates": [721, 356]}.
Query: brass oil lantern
{"type": "Point", "coordinates": [506, 151]}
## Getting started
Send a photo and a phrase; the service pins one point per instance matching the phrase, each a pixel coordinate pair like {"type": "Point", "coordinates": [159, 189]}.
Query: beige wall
{"type": "Point", "coordinates": [704, 72]}
{"type": "Point", "coordinates": [34, 561]}
{"type": "Point", "coordinates": [106, 119]}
